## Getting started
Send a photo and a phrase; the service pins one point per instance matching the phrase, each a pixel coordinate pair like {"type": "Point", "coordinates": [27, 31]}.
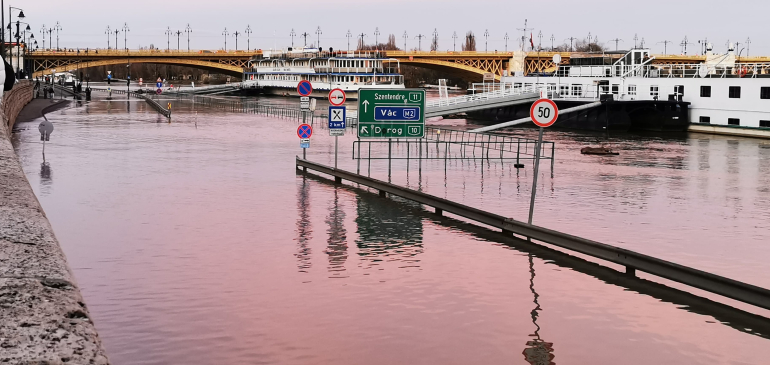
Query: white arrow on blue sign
{"type": "Point", "coordinates": [337, 117]}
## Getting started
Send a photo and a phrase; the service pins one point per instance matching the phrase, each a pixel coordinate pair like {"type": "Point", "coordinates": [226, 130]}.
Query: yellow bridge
{"type": "Point", "coordinates": [466, 65]}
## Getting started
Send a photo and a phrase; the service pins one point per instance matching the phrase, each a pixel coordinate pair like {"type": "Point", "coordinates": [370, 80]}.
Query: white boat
{"type": "Point", "coordinates": [720, 91]}
{"type": "Point", "coordinates": [280, 72]}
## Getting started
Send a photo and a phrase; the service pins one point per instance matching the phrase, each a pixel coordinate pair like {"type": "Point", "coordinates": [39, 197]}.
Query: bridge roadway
{"type": "Point", "coordinates": [469, 65]}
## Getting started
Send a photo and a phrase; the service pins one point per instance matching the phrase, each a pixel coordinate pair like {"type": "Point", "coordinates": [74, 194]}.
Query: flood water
{"type": "Point", "coordinates": [196, 242]}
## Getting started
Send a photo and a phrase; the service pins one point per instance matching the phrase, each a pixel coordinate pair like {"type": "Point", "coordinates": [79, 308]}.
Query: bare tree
{"type": "Point", "coordinates": [470, 42]}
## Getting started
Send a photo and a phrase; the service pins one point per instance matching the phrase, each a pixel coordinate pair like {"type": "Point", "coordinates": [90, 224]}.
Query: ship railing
{"type": "Point", "coordinates": [479, 97]}
{"type": "Point", "coordinates": [749, 70]}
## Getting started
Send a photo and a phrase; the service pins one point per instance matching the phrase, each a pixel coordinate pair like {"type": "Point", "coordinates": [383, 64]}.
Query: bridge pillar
{"type": "Point", "coordinates": [518, 63]}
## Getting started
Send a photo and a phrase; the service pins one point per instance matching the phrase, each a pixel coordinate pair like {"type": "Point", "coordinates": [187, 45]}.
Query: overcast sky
{"type": "Point", "coordinates": [84, 22]}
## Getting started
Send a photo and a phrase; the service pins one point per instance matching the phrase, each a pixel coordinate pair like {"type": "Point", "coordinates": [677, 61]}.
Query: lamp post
{"type": "Point", "coordinates": [188, 30]}
{"type": "Point", "coordinates": [236, 34]}
{"type": "Point", "coordinates": [435, 40]}
{"type": "Point", "coordinates": [454, 41]}
{"type": "Point", "coordinates": [57, 28]}
{"type": "Point", "coordinates": [168, 38]}
{"type": "Point", "coordinates": [10, 20]}
{"type": "Point", "coordinates": [125, 39]}
{"type": "Point", "coordinates": [43, 30]}
{"type": "Point", "coordinates": [406, 36]}
{"type": "Point", "coordinates": [248, 37]}
{"type": "Point", "coordinates": [108, 32]}
{"type": "Point", "coordinates": [348, 35]}
{"type": "Point", "coordinates": [225, 33]}
{"type": "Point", "coordinates": [292, 34]}
{"type": "Point", "coordinates": [419, 41]}
{"type": "Point", "coordinates": [486, 39]}
{"type": "Point", "coordinates": [506, 42]}
{"type": "Point", "coordinates": [116, 31]}
{"type": "Point", "coordinates": [318, 33]}
{"type": "Point", "coordinates": [376, 33]}
{"type": "Point", "coordinates": [178, 36]}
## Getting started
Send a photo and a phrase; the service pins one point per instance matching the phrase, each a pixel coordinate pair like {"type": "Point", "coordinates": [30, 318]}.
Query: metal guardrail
{"type": "Point", "coordinates": [633, 261]}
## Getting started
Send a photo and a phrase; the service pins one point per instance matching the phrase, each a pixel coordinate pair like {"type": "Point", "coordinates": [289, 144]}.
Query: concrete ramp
{"type": "Point", "coordinates": [475, 102]}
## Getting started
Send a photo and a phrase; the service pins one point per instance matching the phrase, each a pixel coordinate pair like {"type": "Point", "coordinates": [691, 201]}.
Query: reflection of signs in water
{"type": "Point", "coordinates": [304, 229]}
{"type": "Point", "coordinates": [539, 353]}
{"type": "Point", "coordinates": [337, 248]}
{"type": "Point", "coordinates": [387, 230]}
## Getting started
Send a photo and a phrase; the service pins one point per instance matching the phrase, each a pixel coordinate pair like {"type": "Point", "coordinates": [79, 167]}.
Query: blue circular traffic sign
{"type": "Point", "coordinates": [304, 131]}
{"type": "Point", "coordinates": [304, 88]}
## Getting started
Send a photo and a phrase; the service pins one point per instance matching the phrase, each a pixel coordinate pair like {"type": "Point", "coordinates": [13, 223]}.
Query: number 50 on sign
{"type": "Point", "coordinates": [544, 112]}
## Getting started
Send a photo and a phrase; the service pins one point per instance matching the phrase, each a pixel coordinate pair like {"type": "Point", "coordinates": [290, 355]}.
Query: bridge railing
{"type": "Point", "coordinates": [138, 52]}
{"type": "Point", "coordinates": [500, 93]}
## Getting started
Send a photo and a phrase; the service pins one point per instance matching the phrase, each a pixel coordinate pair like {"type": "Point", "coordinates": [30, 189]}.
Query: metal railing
{"type": "Point", "coordinates": [631, 260]}
{"type": "Point", "coordinates": [500, 93]}
{"type": "Point", "coordinates": [750, 70]}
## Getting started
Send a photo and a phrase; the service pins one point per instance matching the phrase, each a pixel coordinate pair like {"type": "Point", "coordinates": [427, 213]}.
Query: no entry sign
{"type": "Point", "coordinates": [544, 112]}
{"type": "Point", "coordinates": [304, 88]}
{"type": "Point", "coordinates": [337, 97]}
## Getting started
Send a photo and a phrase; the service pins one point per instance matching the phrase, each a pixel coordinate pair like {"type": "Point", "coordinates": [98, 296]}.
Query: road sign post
{"type": "Point", "coordinates": [337, 125]}
{"type": "Point", "coordinates": [391, 113]}
{"type": "Point", "coordinates": [543, 113]}
{"type": "Point", "coordinates": [304, 132]}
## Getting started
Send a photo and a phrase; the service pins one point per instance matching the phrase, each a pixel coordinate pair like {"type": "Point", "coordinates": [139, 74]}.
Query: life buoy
{"type": "Point", "coordinates": [742, 71]}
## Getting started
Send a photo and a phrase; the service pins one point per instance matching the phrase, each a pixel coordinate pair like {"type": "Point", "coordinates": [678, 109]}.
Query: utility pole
{"type": "Point", "coordinates": [318, 33]}
{"type": "Point", "coordinates": [684, 43]}
{"type": "Point", "coordinates": [125, 37]}
{"type": "Point", "coordinates": [236, 39]}
{"type": "Point", "coordinates": [108, 32]}
{"type": "Point", "coordinates": [376, 33]}
{"type": "Point", "coordinates": [292, 34]}
{"type": "Point", "coordinates": [225, 33]}
{"type": "Point", "coordinates": [524, 33]}
{"type": "Point", "coordinates": [454, 43]}
{"type": "Point", "coordinates": [419, 41]}
{"type": "Point", "coordinates": [168, 38]}
{"type": "Point", "coordinates": [188, 30]}
{"type": "Point", "coordinates": [406, 36]}
{"type": "Point", "coordinates": [616, 40]}
{"type": "Point", "coordinates": [42, 30]}
{"type": "Point", "coordinates": [304, 35]}
{"type": "Point", "coordinates": [552, 39]}
{"type": "Point", "coordinates": [506, 42]}
{"type": "Point", "coordinates": [58, 28]}
{"type": "Point", "coordinates": [486, 40]}
{"type": "Point", "coordinates": [348, 35]}
{"type": "Point", "coordinates": [665, 45]}
{"type": "Point", "coordinates": [248, 37]}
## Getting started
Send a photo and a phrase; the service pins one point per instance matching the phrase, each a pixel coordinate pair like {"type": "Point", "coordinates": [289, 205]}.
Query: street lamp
{"type": "Point", "coordinates": [116, 31]}
{"type": "Point", "coordinates": [318, 33]}
{"type": "Point", "coordinates": [406, 36]}
{"type": "Point", "coordinates": [376, 33]}
{"type": "Point", "coordinates": [435, 40]}
{"type": "Point", "coordinates": [292, 34]}
{"type": "Point", "coordinates": [188, 30]}
{"type": "Point", "coordinates": [125, 39]}
{"type": "Point", "coordinates": [43, 30]}
{"type": "Point", "coordinates": [236, 39]}
{"type": "Point", "coordinates": [349, 35]}
{"type": "Point", "coordinates": [10, 20]}
{"type": "Point", "coordinates": [486, 39]}
{"type": "Point", "coordinates": [57, 28]}
{"type": "Point", "coordinates": [168, 38]}
{"type": "Point", "coordinates": [225, 33]}
{"type": "Point", "coordinates": [454, 42]}
{"type": "Point", "coordinates": [506, 42]}
{"type": "Point", "coordinates": [248, 37]}
{"type": "Point", "coordinates": [178, 36]}
{"type": "Point", "coordinates": [108, 32]}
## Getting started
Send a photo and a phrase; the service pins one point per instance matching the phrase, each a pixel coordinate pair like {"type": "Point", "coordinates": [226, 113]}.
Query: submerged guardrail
{"type": "Point", "coordinates": [631, 260]}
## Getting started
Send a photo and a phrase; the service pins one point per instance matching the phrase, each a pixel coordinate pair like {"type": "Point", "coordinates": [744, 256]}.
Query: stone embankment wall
{"type": "Point", "coordinates": [43, 319]}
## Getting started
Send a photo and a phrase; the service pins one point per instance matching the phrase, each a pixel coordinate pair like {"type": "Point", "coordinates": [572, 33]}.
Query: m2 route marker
{"type": "Point", "coordinates": [391, 113]}
{"type": "Point", "coordinates": [543, 113]}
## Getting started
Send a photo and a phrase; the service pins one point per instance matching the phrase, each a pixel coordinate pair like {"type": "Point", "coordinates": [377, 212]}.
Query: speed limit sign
{"type": "Point", "coordinates": [544, 112]}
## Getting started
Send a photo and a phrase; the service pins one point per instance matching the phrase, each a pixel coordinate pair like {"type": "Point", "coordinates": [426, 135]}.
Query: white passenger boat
{"type": "Point", "coordinates": [720, 91]}
{"type": "Point", "coordinates": [279, 72]}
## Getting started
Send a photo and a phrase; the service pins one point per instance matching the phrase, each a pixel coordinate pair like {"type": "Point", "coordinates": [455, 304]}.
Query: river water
{"type": "Point", "coordinates": [196, 242]}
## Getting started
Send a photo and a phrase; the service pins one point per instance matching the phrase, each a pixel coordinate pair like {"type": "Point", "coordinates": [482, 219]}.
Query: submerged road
{"type": "Point", "coordinates": [195, 242]}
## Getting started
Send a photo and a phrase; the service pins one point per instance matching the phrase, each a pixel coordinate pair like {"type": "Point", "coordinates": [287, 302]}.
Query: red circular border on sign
{"type": "Point", "coordinates": [344, 97]}
{"type": "Point", "coordinates": [300, 127]}
{"type": "Point", "coordinates": [532, 112]}
{"type": "Point", "coordinates": [302, 83]}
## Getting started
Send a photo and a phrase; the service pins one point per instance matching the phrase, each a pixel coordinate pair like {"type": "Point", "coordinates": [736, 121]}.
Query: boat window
{"type": "Point", "coordinates": [733, 121]}
{"type": "Point", "coordinates": [615, 89]}
{"type": "Point", "coordinates": [704, 120]}
{"type": "Point", "coordinates": [705, 91]}
{"type": "Point", "coordinates": [654, 91]}
{"type": "Point", "coordinates": [735, 92]}
{"type": "Point", "coordinates": [564, 90]}
{"type": "Point", "coordinates": [631, 89]}
{"type": "Point", "coordinates": [604, 89]}
{"type": "Point", "coordinates": [764, 92]}
{"type": "Point", "coordinates": [577, 90]}
{"type": "Point", "coordinates": [764, 123]}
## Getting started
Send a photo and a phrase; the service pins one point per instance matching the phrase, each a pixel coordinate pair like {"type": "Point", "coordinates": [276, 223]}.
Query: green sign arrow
{"type": "Point", "coordinates": [391, 113]}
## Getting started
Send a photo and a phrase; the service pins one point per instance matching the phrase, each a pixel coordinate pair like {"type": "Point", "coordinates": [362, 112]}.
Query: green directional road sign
{"type": "Point", "coordinates": [391, 113]}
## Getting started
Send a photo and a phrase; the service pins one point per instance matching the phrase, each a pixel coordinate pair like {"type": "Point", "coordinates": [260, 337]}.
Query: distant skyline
{"type": "Point", "coordinates": [84, 23]}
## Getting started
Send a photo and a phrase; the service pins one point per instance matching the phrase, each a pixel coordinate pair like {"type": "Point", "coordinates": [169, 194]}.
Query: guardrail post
{"type": "Point", "coordinates": [630, 271]}
{"type": "Point", "coordinates": [383, 194]}
{"type": "Point", "coordinates": [439, 211]}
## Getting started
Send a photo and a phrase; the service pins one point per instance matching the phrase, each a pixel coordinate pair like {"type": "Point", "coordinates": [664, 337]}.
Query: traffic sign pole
{"type": "Point", "coordinates": [543, 113]}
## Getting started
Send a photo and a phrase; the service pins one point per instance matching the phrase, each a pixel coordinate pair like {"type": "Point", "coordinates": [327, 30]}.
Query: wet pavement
{"type": "Point", "coordinates": [195, 242]}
